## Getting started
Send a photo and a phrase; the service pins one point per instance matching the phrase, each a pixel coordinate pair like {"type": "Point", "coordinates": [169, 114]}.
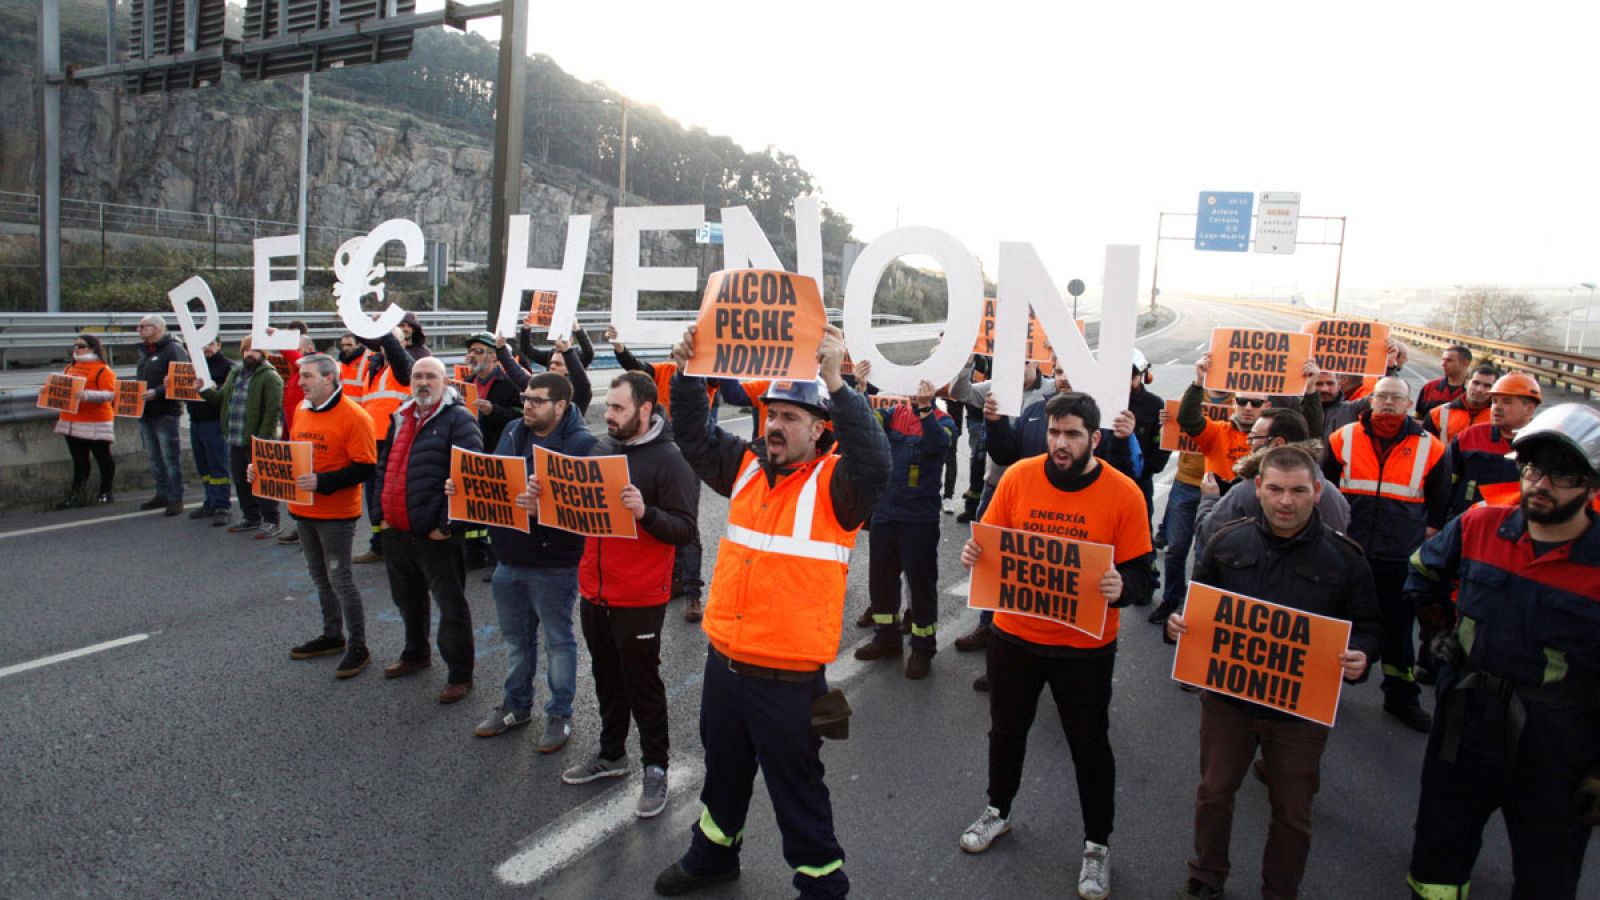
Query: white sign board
{"type": "Point", "coordinates": [1277, 221]}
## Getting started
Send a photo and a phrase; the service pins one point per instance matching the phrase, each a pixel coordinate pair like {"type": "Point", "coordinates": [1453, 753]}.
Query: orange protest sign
{"type": "Point", "coordinates": [62, 392]}
{"type": "Point", "coordinates": [1258, 361]}
{"type": "Point", "coordinates": [755, 323]}
{"type": "Point", "coordinates": [1040, 575]}
{"type": "Point", "coordinates": [1266, 653]}
{"type": "Point", "coordinates": [1038, 347]}
{"type": "Point", "coordinates": [469, 394]}
{"type": "Point", "coordinates": [278, 464]}
{"type": "Point", "coordinates": [583, 494]}
{"type": "Point", "coordinates": [130, 399]}
{"type": "Point", "coordinates": [543, 309]}
{"type": "Point", "coordinates": [282, 366]}
{"type": "Point", "coordinates": [461, 372]}
{"type": "Point", "coordinates": [886, 401]}
{"type": "Point", "coordinates": [181, 382]}
{"type": "Point", "coordinates": [1350, 348]}
{"type": "Point", "coordinates": [487, 487]}
{"type": "Point", "coordinates": [1173, 438]}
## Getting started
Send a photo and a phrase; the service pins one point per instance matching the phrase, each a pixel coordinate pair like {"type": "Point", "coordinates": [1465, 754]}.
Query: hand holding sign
{"type": "Point", "coordinates": [130, 399]}
{"type": "Point", "coordinates": [633, 501]}
{"type": "Point", "coordinates": [483, 488]}
{"type": "Point", "coordinates": [1348, 347]}
{"type": "Point", "coordinates": [182, 383]}
{"type": "Point", "coordinates": [276, 468]}
{"type": "Point", "coordinates": [1256, 361]}
{"type": "Point", "coordinates": [1042, 576]}
{"type": "Point", "coordinates": [830, 357]}
{"type": "Point", "coordinates": [584, 494]}
{"type": "Point", "coordinates": [683, 350]}
{"type": "Point", "coordinates": [757, 323]}
{"type": "Point", "coordinates": [62, 392]}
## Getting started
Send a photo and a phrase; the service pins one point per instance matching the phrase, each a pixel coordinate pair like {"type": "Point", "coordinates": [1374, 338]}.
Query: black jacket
{"type": "Point", "coordinates": [451, 426]}
{"type": "Point", "coordinates": [505, 402]}
{"type": "Point", "coordinates": [716, 455]}
{"type": "Point", "coordinates": [1318, 571]}
{"type": "Point", "coordinates": [152, 370]}
{"type": "Point", "coordinates": [1146, 408]}
{"type": "Point", "coordinates": [658, 469]}
{"type": "Point", "coordinates": [541, 547]}
{"type": "Point", "coordinates": [200, 410]}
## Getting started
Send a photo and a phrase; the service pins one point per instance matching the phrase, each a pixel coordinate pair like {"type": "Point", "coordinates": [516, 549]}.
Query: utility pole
{"type": "Point", "coordinates": [509, 91]}
{"type": "Point", "coordinates": [305, 153]}
{"type": "Point", "coordinates": [622, 171]}
{"type": "Point", "coordinates": [50, 154]}
{"type": "Point", "coordinates": [1155, 268]}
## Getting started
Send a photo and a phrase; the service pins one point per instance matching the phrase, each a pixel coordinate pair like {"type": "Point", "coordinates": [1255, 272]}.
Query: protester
{"type": "Point", "coordinates": [1104, 506]}
{"type": "Point", "coordinates": [1455, 361]}
{"type": "Point", "coordinates": [1276, 427]}
{"type": "Point", "coordinates": [1178, 522]}
{"type": "Point", "coordinates": [209, 446]}
{"type": "Point", "coordinates": [92, 428]}
{"type": "Point", "coordinates": [1337, 412]}
{"type": "Point", "coordinates": [158, 426]}
{"type": "Point", "coordinates": [1518, 713]}
{"type": "Point", "coordinates": [498, 405]}
{"type": "Point", "coordinates": [387, 376]}
{"type": "Point", "coordinates": [287, 362]}
{"type": "Point", "coordinates": [343, 455]}
{"type": "Point", "coordinates": [1147, 407]}
{"type": "Point", "coordinates": [1389, 469]}
{"type": "Point", "coordinates": [775, 611]}
{"type": "Point", "coordinates": [413, 337]}
{"type": "Point", "coordinates": [1225, 443]}
{"type": "Point", "coordinates": [421, 549]}
{"type": "Point", "coordinates": [1450, 419]}
{"type": "Point", "coordinates": [1284, 554]}
{"type": "Point", "coordinates": [905, 530]}
{"type": "Point", "coordinates": [250, 404]}
{"type": "Point", "coordinates": [625, 584]}
{"type": "Point", "coordinates": [1481, 455]}
{"type": "Point", "coordinates": [536, 581]}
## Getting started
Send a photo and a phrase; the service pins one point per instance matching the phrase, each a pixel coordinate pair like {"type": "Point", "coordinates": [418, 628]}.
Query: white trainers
{"type": "Point", "coordinates": [1094, 879]}
{"type": "Point", "coordinates": [949, 506]}
{"type": "Point", "coordinates": [980, 834]}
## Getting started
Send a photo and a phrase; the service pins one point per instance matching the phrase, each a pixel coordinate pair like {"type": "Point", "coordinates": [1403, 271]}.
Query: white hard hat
{"type": "Point", "coordinates": [1572, 425]}
{"type": "Point", "coordinates": [1140, 363]}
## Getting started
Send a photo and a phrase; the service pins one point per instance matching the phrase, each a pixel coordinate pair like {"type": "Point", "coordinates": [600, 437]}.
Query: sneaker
{"type": "Point", "coordinates": [1094, 878]}
{"type": "Point", "coordinates": [200, 512]}
{"type": "Point", "coordinates": [653, 796]}
{"type": "Point", "coordinates": [980, 834]}
{"type": "Point", "coordinates": [693, 609]}
{"type": "Point", "coordinates": [1159, 615]}
{"type": "Point", "coordinates": [502, 720]}
{"type": "Point", "coordinates": [173, 507]}
{"type": "Point", "coordinates": [219, 518]}
{"type": "Point", "coordinates": [355, 660]}
{"type": "Point", "coordinates": [919, 665]}
{"type": "Point", "coordinates": [157, 502]}
{"type": "Point", "coordinates": [322, 646]}
{"type": "Point", "coordinates": [976, 639]}
{"type": "Point", "coordinates": [105, 498]}
{"type": "Point", "coordinates": [1195, 889]}
{"type": "Point", "coordinates": [269, 530]}
{"type": "Point", "coordinates": [981, 683]}
{"type": "Point", "coordinates": [949, 506]}
{"type": "Point", "coordinates": [244, 525]}
{"type": "Point", "coordinates": [675, 880]}
{"type": "Point", "coordinates": [596, 769]}
{"type": "Point", "coordinates": [556, 731]}
{"type": "Point", "coordinates": [875, 651]}
{"type": "Point", "coordinates": [1411, 715]}
{"type": "Point", "coordinates": [371, 556]}
{"type": "Point", "coordinates": [289, 537]}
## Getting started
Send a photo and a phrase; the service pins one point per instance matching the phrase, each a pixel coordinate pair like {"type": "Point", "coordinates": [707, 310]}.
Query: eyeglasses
{"type": "Point", "coordinates": [478, 351]}
{"type": "Point", "coordinates": [1565, 481]}
{"type": "Point", "coordinates": [1252, 402]}
{"type": "Point", "coordinates": [1256, 438]}
{"type": "Point", "coordinates": [1391, 398]}
{"type": "Point", "coordinates": [535, 401]}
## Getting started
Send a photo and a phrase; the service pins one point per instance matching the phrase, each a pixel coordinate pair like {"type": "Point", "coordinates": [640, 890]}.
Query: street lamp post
{"type": "Point", "coordinates": [1588, 310]}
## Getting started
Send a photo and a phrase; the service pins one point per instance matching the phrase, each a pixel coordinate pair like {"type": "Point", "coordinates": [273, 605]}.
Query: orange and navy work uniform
{"type": "Point", "coordinates": [1479, 456]}
{"type": "Point", "coordinates": [1450, 419]}
{"type": "Point", "coordinates": [1389, 485]}
{"type": "Point", "coordinates": [343, 453]}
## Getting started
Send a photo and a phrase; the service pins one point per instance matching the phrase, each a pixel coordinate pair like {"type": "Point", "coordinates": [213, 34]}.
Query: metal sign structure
{"type": "Point", "coordinates": [292, 37]}
{"type": "Point", "coordinates": [178, 44]}
{"type": "Point", "coordinates": [1277, 222]}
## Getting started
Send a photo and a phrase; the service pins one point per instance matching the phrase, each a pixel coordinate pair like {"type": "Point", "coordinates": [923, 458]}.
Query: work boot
{"type": "Point", "coordinates": [156, 502]}
{"type": "Point", "coordinates": [918, 666]}
{"type": "Point", "coordinates": [976, 639]}
{"type": "Point", "coordinates": [981, 683]}
{"type": "Point", "coordinates": [675, 880]}
{"type": "Point", "coordinates": [865, 621]}
{"type": "Point", "coordinates": [174, 507]}
{"type": "Point", "coordinates": [1411, 714]}
{"type": "Point", "coordinates": [876, 651]}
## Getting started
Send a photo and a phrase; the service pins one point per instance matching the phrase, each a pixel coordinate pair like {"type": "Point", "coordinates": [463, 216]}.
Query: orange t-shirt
{"type": "Point", "coordinates": [1109, 511]}
{"type": "Point", "coordinates": [758, 410]}
{"type": "Point", "coordinates": [1223, 445]}
{"type": "Point", "coordinates": [339, 435]}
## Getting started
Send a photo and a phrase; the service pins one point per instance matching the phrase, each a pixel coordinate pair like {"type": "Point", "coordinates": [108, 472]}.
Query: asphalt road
{"type": "Point", "coordinates": [198, 760]}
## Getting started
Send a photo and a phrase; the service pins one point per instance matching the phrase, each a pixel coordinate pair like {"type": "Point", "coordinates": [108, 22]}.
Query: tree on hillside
{"type": "Point", "coordinates": [1495, 314]}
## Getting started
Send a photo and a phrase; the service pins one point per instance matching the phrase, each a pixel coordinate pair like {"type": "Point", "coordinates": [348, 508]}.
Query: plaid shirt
{"type": "Point", "coordinates": [239, 402]}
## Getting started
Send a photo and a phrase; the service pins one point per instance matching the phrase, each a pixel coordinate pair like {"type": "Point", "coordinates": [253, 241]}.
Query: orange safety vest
{"type": "Point", "coordinates": [1450, 421]}
{"type": "Point", "coordinates": [777, 594]}
{"type": "Point", "coordinates": [382, 401]}
{"type": "Point", "coordinates": [352, 377]}
{"type": "Point", "coordinates": [1363, 475]}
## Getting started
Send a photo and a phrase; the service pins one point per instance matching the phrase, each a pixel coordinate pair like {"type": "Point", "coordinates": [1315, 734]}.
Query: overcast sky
{"type": "Point", "coordinates": [1459, 139]}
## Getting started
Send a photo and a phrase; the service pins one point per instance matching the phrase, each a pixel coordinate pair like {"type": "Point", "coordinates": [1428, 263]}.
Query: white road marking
{"type": "Point", "coordinates": [82, 522]}
{"type": "Point", "coordinates": [72, 654]}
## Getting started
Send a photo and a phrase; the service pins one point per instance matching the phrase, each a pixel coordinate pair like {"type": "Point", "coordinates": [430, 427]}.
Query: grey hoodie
{"type": "Point", "coordinates": [1240, 502]}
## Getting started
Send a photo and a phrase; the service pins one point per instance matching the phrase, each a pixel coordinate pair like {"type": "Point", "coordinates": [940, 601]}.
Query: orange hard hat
{"type": "Point", "coordinates": [1517, 384]}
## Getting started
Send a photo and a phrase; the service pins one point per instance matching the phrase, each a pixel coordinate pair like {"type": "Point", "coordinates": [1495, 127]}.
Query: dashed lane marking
{"type": "Point", "coordinates": [42, 529]}
{"type": "Point", "coordinates": [72, 654]}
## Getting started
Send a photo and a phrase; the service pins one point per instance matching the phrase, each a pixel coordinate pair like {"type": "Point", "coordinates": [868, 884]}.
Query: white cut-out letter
{"type": "Point", "coordinates": [267, 292]}
{"type": "Point", "coordinates": [964, 284]}
{"type": "Point", "coordinates": [566, 281]}
{"type": "Point", "coordinates": [359, 274]}
{"type": "Point", "coordinates": [196, 339]}
{"type": "Point", "coordinates": [745, 246]}
{"type": "Point", "coordinates": [629, 277]}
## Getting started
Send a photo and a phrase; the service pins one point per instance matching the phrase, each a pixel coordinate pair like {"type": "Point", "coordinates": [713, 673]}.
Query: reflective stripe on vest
{"type": "Point", "coordinates": [352, 376]}
{"type": "Point", "coordinates": [1409, 490]}
{"type": "Point", "coordinates": [798, 542]}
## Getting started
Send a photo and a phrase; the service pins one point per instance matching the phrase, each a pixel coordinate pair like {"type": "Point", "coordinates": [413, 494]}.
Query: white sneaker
{"type": "Point", "coordinates": [980, 834]}
{"type": "Point", "coordinates": [1094, 879]}
{"type": "Point", "coordinates": [949, 506]}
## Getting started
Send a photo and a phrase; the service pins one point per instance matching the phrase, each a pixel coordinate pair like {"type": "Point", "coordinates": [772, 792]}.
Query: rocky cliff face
{"type": "Point", "coordinates": [183, 152]}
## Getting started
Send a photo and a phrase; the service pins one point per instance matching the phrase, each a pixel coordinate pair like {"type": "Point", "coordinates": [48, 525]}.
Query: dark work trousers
{"type": "Point", "coordinates": [957, 412]}
{"type": "Point", "coordinates": [686, 580]}
{"type": "Point", "coordinates": [746, 723]}
{"type": "Point", "coordinates": [978, 460]}
{"type": "Point", "coordinates": [1533, 790]}
{"type": "Point", "coordinates": [419, 566]}
{"type": "Point", "coordinates": [1081, 686]}
{"type": "Point", "coordinates": [1291, 752]}
{"type": "Point", "coordinates": [253, 508]}
{"type": "Point", "coordinates": [1397, 651]}
{"type": "Point", "coordinates": [910, 549]}
{"type": "Point", "coordinates": [369, 491]}
{"type": "Point", "coordinates": [625, 656]}
{"type": "Point", "coordinates": [80, 450]}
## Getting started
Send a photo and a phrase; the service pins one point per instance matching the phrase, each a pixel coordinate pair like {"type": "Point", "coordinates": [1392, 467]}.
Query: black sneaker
{"type": "Point", "coordinates": [675, 880]}
{"type": "Point", "coordinates": [322, 646]}
{"type": "Point", "coordinates": [200, 512]}
{"type": "Point", "coordinates": [1159, 615]}
{"type": "Point", "coordinates": [981, 683]}
{"type": "Point", "coordinates": [154, 503]}
{"type": "Point", "coordinates": [874, 651]}
{"type": "Point", "coordinates": [355, 659]}
{"type": "Point", "coordinates": [1412, 715]}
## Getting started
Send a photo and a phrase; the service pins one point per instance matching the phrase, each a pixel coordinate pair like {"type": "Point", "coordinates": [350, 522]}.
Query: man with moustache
{"type": "Point", "coordinates": [775, 612]}
{"type": "Point", "coordinates": [1481, 455]}
{"type": "Point", "coordinates": [1518, 723]}
{"type": "Point", "coordinates": [1104, 506]}
{"type": "Point", "coordinates": [421, 549]}
{"type": "Point", "coordinates": [250, 403]}
{"type": "Point", "coordinates": [1454, 362]}
{"type": "Point", "coordinates": [1448, 420]}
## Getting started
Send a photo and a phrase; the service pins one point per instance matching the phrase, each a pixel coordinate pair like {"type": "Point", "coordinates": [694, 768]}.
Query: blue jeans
{"type": "Point", "coordinates": [1183, 501]}
{"type": "Point", "coordinates": [211, 461]}
{"type": "Point", "coordinates": [159, 435]}
{"type": "Point", "coordinates": [524, 597]}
